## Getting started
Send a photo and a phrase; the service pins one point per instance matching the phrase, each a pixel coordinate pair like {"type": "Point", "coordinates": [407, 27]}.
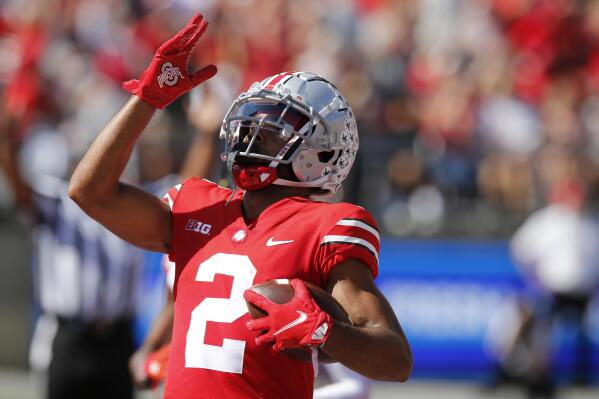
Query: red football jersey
{"type": "Point", "coordinates": [218, 255]}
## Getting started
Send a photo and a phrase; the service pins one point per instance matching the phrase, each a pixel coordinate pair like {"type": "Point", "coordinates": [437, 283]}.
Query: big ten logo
{"type": "Point", "coordinates": [198, 227]}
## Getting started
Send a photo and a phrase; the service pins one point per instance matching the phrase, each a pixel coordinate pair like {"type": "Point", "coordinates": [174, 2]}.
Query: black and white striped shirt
{"type": "Point", "coordinates": [81, 270]}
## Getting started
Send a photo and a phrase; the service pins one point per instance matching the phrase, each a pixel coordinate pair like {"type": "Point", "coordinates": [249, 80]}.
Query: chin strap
{"type": "Point", "coordinates": [229, 163]}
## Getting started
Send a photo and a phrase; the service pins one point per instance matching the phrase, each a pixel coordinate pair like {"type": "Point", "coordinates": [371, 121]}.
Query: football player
{"type": "Point", "coordinates": [149, 363]}
{"type": "Point", "coordinates": [290, 138]}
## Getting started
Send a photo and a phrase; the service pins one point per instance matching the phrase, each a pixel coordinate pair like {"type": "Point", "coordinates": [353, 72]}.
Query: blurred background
{"type": "Point", "coordinates": [479, 157]}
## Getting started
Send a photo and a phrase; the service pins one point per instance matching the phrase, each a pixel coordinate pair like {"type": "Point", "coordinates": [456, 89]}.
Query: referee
{"type": "Point", "coordinates": [84, 280]}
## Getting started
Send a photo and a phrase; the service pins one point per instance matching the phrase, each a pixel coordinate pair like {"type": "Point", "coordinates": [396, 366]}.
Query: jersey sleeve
{"type": "Point", "coordinates": [354, 236]}
{"type": "Point", "coordinates": [194, 195]}
{"type": "Point", "coordinates": [171, 196]}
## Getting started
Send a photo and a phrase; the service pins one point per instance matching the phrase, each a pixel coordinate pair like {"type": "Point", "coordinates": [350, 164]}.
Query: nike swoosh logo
{"type": "Point", "coordinates": [302, 317]}
{"type": "Point", "coordinates": [272, 243]}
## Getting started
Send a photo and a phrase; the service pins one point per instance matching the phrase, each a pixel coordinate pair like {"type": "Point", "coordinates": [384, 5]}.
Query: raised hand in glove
{"type": "Point", "coordinates": [297, 323]}
{"type": "Point", "coordinates": [168, 77]}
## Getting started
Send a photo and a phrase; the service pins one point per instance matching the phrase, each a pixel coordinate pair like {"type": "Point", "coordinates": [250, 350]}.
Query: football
{"type": "Point", "coordinates": [280, 291]}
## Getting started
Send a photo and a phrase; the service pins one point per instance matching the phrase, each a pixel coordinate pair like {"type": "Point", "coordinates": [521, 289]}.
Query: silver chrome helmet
{"type": "Point", "coordinates": [312, 116]}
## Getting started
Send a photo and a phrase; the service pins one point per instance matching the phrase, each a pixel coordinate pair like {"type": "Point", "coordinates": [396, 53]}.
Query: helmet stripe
{"type": "Point", "coordinates": [273, 82]}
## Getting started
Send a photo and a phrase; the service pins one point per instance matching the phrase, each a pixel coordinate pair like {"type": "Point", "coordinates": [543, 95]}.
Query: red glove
{"type": "Point", "coordinates": [167, 77]}
{"type": "Point", "coordinates": [297, 323]}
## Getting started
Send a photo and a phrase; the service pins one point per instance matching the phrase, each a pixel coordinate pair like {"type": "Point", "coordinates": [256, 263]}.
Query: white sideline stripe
{"type": "Point", "coordinates": [352, 240]}
{"type": "Point", "coordinates": [362, 225]}
{"type": "Point", "coordinates": [178, 187]}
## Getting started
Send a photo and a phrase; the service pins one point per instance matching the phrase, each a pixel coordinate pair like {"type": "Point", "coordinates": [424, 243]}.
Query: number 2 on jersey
{"type": "Point", "coordinates": [229, 356]}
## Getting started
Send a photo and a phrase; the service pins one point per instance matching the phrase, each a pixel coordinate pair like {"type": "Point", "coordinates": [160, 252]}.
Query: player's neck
{"type": "Point", "coordinates": [254, 202]}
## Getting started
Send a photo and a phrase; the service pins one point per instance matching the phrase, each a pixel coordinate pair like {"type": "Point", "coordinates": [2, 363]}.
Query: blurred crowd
{"type": "Point", "coordinates": [469, 111]}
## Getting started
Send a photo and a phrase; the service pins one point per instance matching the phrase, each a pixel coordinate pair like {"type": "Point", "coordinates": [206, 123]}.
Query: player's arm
{"type": "Point", "coordinates": [374, 344]}
{"type": "Point", "coordinates": [129, 212]}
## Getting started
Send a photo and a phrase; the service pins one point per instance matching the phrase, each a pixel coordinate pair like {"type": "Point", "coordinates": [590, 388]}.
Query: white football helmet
{"type": "Point", "coordinates": [310, 114]}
